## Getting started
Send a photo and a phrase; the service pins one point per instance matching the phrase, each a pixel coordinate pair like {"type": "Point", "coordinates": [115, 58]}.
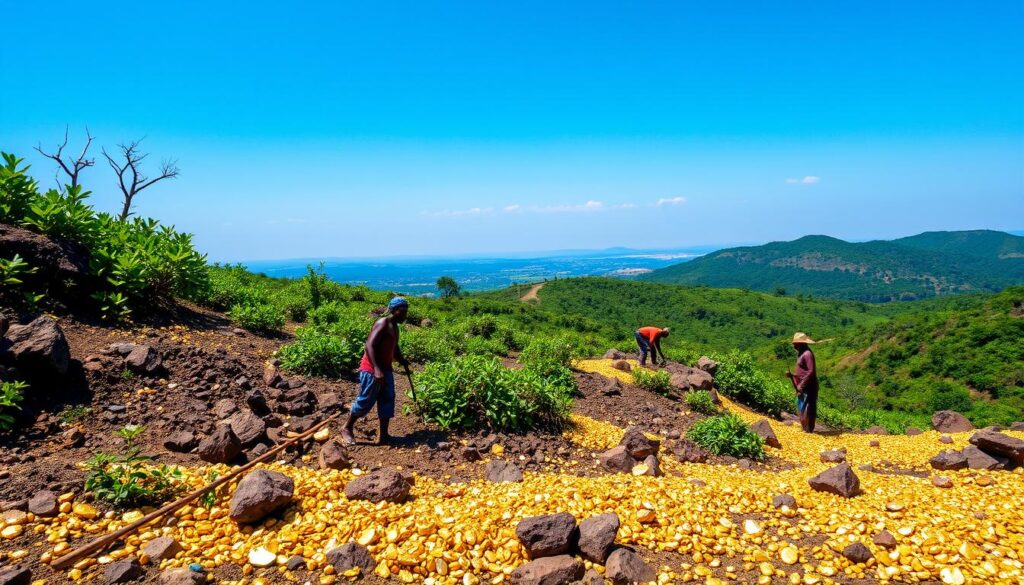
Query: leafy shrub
{"type": "Point", "coordinates": [727, 434]}
{"type": "Point", "coordinates": [658, 381]}
{"type": "Point", "coordinates": [428, 345]}
{"type": "Point", "coordinates": [11, 395]}
{"type": "Point", "coordinates": [545, 353]}
{"type": "Point", "coordinates": [11, 284]}
{"type": "Point", "coordinates": [264, 318]}
{"type": "Point", "coordinates": [475, 391]}
{"type": "Point", "coordinates": [485, 347]}
{"type": "Point", "coordinates": [738, 378]}
{"type": "Point", "coordinates": [127, 480]}
{"type": "Point", "coordinates": [701, 401]}
{"type": "Point", "coordinates": [321, 353]}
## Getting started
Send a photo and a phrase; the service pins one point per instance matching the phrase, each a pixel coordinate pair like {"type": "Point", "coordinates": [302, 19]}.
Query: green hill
{"type": "Point", "coordinates": [928, 265]}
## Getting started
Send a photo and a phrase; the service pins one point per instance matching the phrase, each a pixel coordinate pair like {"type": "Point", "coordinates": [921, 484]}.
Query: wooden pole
{"type": "Point", "coordinates": [104, 541]}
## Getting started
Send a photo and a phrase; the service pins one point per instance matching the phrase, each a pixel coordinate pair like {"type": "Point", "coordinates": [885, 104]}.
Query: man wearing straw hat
{"type": "Point", "coordinates": [805, 381]}
{"type": "Point", "coordinates": [376, 377]}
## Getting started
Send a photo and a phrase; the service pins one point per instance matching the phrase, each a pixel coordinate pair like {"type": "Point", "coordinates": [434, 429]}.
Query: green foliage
{"type": "Point", "coordinates": [128, 480]}
{"type": "Point", "coordinates": [71, 413]}
{"type": "Point", "coordinates": [475, 391]}
{"type": "Point", "coordinates": [701, 401]}
{"type": "Point", "coordinates": [738, 378]}
{"type": "Point", "coordinates": [658, 381]}
{"type": "Point", "coordinates": [261, 318]}
{"type": "Point", "coordinates": [320, 352]}
{"type": "Point", "coordinates": [12, 288]}
{"type": "Point", "coordinates": [140, 264]}
{"type": "Point", "coordinates": [918, 267]}
{"type": "Point", "coordinates": [11, 395]}
{"type": "Point", "coordinates": [448, 288]}
{"type": "Point", "coordinates": [727, 434]}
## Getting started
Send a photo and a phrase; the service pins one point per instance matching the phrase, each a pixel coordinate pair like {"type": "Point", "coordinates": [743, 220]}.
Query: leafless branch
{"type": "Point", "coordinates": [71, 166]}
{"type": "Point", "coordinates": [129, 174]}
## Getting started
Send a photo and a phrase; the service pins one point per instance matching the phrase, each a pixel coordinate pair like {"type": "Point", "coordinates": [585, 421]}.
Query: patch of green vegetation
{"type": "Point", "coordinates": [71, 413]}
{"type": "Point", "coordinates": [727, 434]}
{"type": "Point", "coordinates": [129, 480]}
{"type": "Point", "coordinates": [657, 381]}
{"type": "Point", "coordinates": [701, 401]}
{"type": "Point", "coordinates": [475, 391]}
{"type": "Point", "coordinates": [11, 395]}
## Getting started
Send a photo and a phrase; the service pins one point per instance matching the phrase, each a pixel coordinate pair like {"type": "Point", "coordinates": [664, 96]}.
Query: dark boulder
{"type": "Point", "coordinates": [259, 494]}
{"type": "Point", "coordinates": [547, 536]}
{"type": "Point", "coordinates": [383, 485]}
{"type": "Point", "coordinates": [839, 480]}
{"type": "Point", "coordinates": [617, 460]}
{"type": "Point", "coordinates": [17, 575]}
{"type": "Point", "coordinates": [625, 567]}
{"type": "Point", "coordinates": [144, 359]}
{"type": "Point", "coordinates": [786, 500]}
{"type": "Point", "coordinates": [597, 537]}
{"type": "Point", "coordinates": [763, 429]}
{"type": "Point", "coordinates": [614, 354]}
{"type": "Point", "coordinates": [333, 455]}
{"type": "Point", "coordinates": [689, 452]}
{"type": "Point", "coordinates": [555, 570]}
{"type": "Point", "coordinates": [999, 444]}
{"type": "Point", "coordinates": [707, 364]}
{"type": "Point", "coordinates": [500, 471]}
{"type": "Point", "coordinates": [55, 260]}
{"type": "Point", "coordinates": [913, 431]}
{"type": "Point", "coordinates": [123, 571]}
{"type": "Point", "coordinates": [164, 547]}
{"type": "Point", "coordinates": [884, 539]}
{"type": "Point", "coordinates": [43, 504]}
{"type": "Point", "coordinates": [857, 553]}
{"type": "Point", "coordinates": [947, 460]}
{"type": "Point", "coordinates": [351, 555]}
{"type": "Point", "coordinates": [637, 443]}
{"type": "Point", "coordinates": [180, 441]}
{"type": "Point", "coordinates": [833, 456]}
{"type": "Point", "coordinates": [876, 430]}
{"type": "Point", "coordinates": [39, 348]}
{"type": "Point", "coordinates": [249, 428]}
{"type": "Point", "coordinates": [978, 459]}
{"type": "Point", "coordinates": [221, 446]}
{"type": "Point", "coordinates": [948, 421]}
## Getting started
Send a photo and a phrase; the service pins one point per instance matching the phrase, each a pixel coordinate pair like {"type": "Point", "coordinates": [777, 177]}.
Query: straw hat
{"type": "Point", "coordinates": [800, 337]}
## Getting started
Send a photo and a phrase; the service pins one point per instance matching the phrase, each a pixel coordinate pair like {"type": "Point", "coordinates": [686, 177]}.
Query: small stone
{"type": "Point", "coordinates": [942, 481]}
{"type": "Point", "coordinates": [181, 576]}
{"type": "Point", "coordinates": [839, 480]}
{"type": "Point", "coordinates": [18, 575]}
{"type": "Point", "coordinates": [161, 548]}
{"type": "Point", "coordinates": [333, 455]}
{"type": "Point", "coordinates": [625, 567]}
{"type": "Point", "coordinates": [946, 439]}
{"type": "Point", "coordinates": [763, 429]}
{"type": "Point", "coordinates": [884, 539]}
{"type": "Point", "coordinates": [554, 570]}
{"type": "Point", "coordinates": [499, 471]}
{"type": "Point", "coordinates": [637, 443]}
{"type": "Point", "coordinates": [43, 504]}
{"type": "Point", "coordinates": [383, 485]}
{"type": "Point", "coordinates": [123, 571]}
{"type": "Point", "coordinates": [351, 555]}
{"type": "Point", "coordinates": [295, 563]}
{"type": "Point", "coordinates": [617, 460]}
{"type": "Point", "coordinates": [857, 553]}
{"type": "Point", "coordinates": [784, 500]}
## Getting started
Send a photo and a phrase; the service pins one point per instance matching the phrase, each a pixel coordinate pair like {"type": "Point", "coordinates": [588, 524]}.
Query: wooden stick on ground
{"type": "Point", "coordinates": [104, 541]}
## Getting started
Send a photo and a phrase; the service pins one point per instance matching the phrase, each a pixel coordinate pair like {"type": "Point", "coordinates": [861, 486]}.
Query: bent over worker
{"type": "Point", "coordinates": [649, 340]}
{"type": "Point", "coordinates": [376, 377]}
{"type": "Point", "coordinates": [805, 381]}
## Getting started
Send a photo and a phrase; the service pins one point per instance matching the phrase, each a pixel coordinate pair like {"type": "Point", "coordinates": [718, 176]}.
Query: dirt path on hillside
{"type": "Point", "coordinates": [531, 295]}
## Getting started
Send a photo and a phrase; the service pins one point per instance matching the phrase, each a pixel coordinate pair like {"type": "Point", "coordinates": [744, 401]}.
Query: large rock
{"type": "Point", "coordinates": [700, 380]}
{"type": "Point", "coordinates": [978, 459]}
{"type": "Point", "coordinates": [625, 567]}
{"type": "Point", "coordinates": [617, 460]}
{"type": "Point", "coordinates": [383, 485]}
{"type": "Point", "coordinates": [999, 444]}
{"type": "Point", "coordinates": [39, 347]}
{"type": "Point", "coordinates": [597, 536]}
{"type": "Point", "coordinates": [43, 504]}
{"type": "Point", "coordinates": [259, 494]}
{"type": "Point", "coordinates": [249, 428]}
{"type": "Point", "coordinates": [144, 359]}
{"type": "Point", "coordinates": [707, 364]}
{"type": "Point", "coordinates": [763, 429]}
{"type": "Point", "coordinates": [333, 455]}
{"type": "Point", "coordinates": [547, 536]}
{"type": "Point", "coordinates": [614, 354]}
{"type": "Point", "coordinates": [832, 456]}
{"type": "Point", "coordinates": [638, 445]}
{"type": "Point", "coordinates": [55, 260]}
{"type": "Point", "coordinates": [947, 460]}
{"type": "Point", "coordinates": [17, 575]}
{"type": "Point", "coordinates": [180, 441]}
{"type": "Point", "coordinates": [123, 571]}
{"type": "Point", "coordinates": [221, 446]}
{"type": "Point", "coordinates": [500, 471]}
{"type": "Point", "coordinates": [948, 421]}
{"type": "Point", "coordinates": [181, 576]}
{"type": "Point", "coordinates": [857, 553]}
{"type": "Point", "coordinates": [351, 555]}
{"type": "Point", "coordinates": [162, 548]}
{"type": "Point", "coordinates": [689, 452]}
{"type": "Point", "coordinates": [622, 365]}
{"type": "Point", "coordinates": [839, 480]}
{"type": "Point", "coordinates": [556, 570]}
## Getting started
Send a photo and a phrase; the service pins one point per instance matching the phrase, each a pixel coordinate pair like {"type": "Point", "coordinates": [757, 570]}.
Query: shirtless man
{"type": "Point", "coordinates": [376, 377]}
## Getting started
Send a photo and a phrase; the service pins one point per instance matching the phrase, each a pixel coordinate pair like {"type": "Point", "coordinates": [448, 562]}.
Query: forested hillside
{"type": "Point", "coordinates": [923, 266]}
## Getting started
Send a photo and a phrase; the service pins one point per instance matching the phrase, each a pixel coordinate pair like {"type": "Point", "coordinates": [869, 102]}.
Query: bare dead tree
{"type": "Point", "coordinates": [129, 174]}
{"type": "Point", "coordinates": [71, 167]}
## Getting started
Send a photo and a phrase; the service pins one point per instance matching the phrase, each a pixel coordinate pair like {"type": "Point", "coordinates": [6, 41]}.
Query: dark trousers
{"type": "Point", "coordinates": [807, 408]}
{"type": "Point", "coordinates": [645, 347]}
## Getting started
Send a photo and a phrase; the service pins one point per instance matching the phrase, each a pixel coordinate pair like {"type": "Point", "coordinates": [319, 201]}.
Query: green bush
{"type": "Point", "coordinates": [727, 434]}
{"type": "Point", "coordinates": [737, 377]}
{"type": "Point", "coordinates": [475, 391]}
{"type": "Point", "coordinates": [428, 345]}
{"type": "Point", "coordinates": [127, 480]}
{"type": "Point", "coordinates": [658, 381]}
{"type": "Point", "coordinates": [701, 401]}
{"type": "Point", "coordinates": [261, 318]}
{"type": "Point", "coordinates": [11, 395]}
{"type": "Point", "coordinates": [322, 353]}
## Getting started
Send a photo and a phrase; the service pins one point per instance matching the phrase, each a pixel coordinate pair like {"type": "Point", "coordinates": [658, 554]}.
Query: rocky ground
{"type": "Point", "coordinates": [620, 494]}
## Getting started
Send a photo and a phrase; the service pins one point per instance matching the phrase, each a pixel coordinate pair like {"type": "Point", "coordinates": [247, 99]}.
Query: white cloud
{"type": "Point", "coordinates": [472, 211]}
{"type": "Point", "coordinates": [511, 208]}
{"type": "Point", "coordinates": [671, 201]}
{"type": "Point", "coordinates": [808, 180]}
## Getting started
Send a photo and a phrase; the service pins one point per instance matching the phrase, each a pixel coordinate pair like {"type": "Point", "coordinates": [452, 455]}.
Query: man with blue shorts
{"type": "Point", "coordinates": [376, 377]}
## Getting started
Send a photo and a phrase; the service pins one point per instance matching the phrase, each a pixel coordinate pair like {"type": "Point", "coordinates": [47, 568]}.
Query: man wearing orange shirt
{"type": "Point", "coordinates": [649, 340]}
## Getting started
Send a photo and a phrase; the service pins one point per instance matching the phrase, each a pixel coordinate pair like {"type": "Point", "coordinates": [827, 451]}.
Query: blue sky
{"type": "Point", "coordinates": [360, 129]}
